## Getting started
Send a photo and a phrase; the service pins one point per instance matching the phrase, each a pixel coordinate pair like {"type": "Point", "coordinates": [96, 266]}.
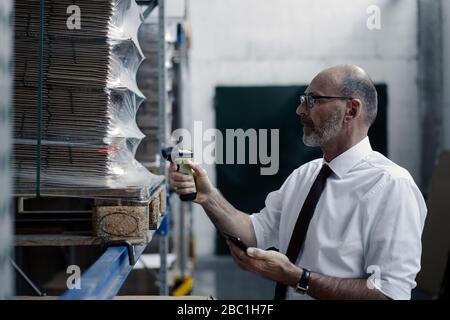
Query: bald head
{"type": "Point", "coordinates": [353, 81]}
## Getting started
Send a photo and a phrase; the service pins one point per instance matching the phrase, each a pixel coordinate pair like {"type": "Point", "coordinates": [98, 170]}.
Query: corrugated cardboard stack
{"type": "Point", "coordinates": [89, 97]}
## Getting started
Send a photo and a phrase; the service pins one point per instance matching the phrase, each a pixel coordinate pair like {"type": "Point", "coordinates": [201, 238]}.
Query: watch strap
{"type": "Point", "coordinates": [303, 284]}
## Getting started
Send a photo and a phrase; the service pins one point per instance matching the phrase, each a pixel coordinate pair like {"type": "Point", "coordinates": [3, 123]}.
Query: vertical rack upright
{"type": "Point", "coordinates": [6, 287]}
{"type": "Point", "coordinates": [162, 95]}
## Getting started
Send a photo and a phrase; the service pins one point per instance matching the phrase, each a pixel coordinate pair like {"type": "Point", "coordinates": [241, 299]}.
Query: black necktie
{"type": "Point", "coordinates": [301, 226]}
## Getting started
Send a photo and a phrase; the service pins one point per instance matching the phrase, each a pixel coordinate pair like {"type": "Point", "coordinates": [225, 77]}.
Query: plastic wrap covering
{"type": "Point", "coordinates": [147, 79]}
{"type": "Point", "coordinates": [89, 97]}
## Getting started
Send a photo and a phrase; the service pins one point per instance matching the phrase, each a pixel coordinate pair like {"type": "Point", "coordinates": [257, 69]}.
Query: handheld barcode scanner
{"type": "Point", "coordinates": [179, 157]}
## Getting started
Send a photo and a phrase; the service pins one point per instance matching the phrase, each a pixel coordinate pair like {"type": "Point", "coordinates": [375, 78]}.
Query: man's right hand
{"type": "Point", "coordinates": [222, 213]}
{"type": "Point", "coordinates": [184, 184]}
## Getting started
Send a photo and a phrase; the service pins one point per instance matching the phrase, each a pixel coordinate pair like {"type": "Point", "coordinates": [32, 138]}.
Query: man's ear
{"type": "Point", "coordinates": [353, 110]}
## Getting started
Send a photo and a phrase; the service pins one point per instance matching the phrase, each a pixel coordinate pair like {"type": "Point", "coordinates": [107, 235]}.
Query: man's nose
{"type": "Point", "coordinates": [301, 110]}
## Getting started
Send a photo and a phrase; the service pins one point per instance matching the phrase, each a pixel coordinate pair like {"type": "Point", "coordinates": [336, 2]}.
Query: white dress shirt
{"type": "Point", "coordinates": [369, 218]}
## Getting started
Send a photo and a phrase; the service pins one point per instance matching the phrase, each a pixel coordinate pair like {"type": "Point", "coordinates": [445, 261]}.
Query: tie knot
{"type": "Point", "coordinates": [325, 172]}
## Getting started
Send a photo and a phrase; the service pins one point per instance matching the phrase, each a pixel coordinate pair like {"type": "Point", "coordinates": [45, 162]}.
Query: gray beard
{"type": "Point", "coordinates": [320, 135]}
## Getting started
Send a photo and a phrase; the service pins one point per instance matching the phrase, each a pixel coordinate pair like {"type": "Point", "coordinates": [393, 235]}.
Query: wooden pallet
{"type": "Point", "coordinates": [109, 220]}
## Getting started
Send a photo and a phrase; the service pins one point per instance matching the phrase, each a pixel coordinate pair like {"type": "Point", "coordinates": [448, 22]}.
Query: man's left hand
{"type": "Point", "coordinates": [267, 263]}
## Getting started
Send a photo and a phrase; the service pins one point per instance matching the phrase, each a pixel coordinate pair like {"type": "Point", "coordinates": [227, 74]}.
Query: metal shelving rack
{"type": "Point", "coordinates": [182, 212]}
{"type": "Point", "coordinates": [184, 222]}
{"type": "Point", "coordinates": [105, 277]}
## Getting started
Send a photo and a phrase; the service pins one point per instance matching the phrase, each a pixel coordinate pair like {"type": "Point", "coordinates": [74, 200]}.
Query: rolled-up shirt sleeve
{"type": "Point", "coordinates": [395, 217]}
{"type": "Point", "coordinates": [266, 223]}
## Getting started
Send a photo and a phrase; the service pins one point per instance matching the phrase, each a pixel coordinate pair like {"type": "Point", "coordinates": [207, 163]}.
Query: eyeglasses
{"type": "Point", "coordinates": [310, 100]}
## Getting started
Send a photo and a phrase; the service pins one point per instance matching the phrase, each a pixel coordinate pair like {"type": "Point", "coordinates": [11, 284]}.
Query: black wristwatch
{"type": "Point", "coordinates": [303, 284]}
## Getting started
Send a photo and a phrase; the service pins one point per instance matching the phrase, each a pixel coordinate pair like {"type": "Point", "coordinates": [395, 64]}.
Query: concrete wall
{"type": "Point", "coordinates": [258, 42]}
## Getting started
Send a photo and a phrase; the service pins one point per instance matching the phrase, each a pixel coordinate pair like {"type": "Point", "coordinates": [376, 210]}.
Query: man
{"type": "Point", "coordinates": [347, 226]}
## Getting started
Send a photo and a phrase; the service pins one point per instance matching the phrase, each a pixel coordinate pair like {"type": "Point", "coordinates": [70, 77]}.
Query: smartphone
{"type": "Point", "coordinates": [237, 241]}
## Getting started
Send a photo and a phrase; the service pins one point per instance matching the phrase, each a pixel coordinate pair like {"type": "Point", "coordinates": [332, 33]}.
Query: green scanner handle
{"type": "Point", "coordinates": [183, 168]}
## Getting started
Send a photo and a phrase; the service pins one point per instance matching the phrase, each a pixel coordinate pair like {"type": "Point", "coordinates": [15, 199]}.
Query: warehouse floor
{"type": "Point", "coordinates": [219, 276]}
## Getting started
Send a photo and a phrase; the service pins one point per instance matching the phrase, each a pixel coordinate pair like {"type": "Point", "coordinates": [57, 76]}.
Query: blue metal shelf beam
{"type": "Point", "coordinates": [103, 280]}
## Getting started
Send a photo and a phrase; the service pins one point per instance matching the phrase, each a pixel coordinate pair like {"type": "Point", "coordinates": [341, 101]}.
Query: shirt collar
{"type": "Point", "coordinates": [348, 159]}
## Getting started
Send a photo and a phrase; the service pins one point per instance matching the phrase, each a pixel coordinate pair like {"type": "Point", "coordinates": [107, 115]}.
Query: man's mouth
{"type": "Point", "coordinates": [307, 124]}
